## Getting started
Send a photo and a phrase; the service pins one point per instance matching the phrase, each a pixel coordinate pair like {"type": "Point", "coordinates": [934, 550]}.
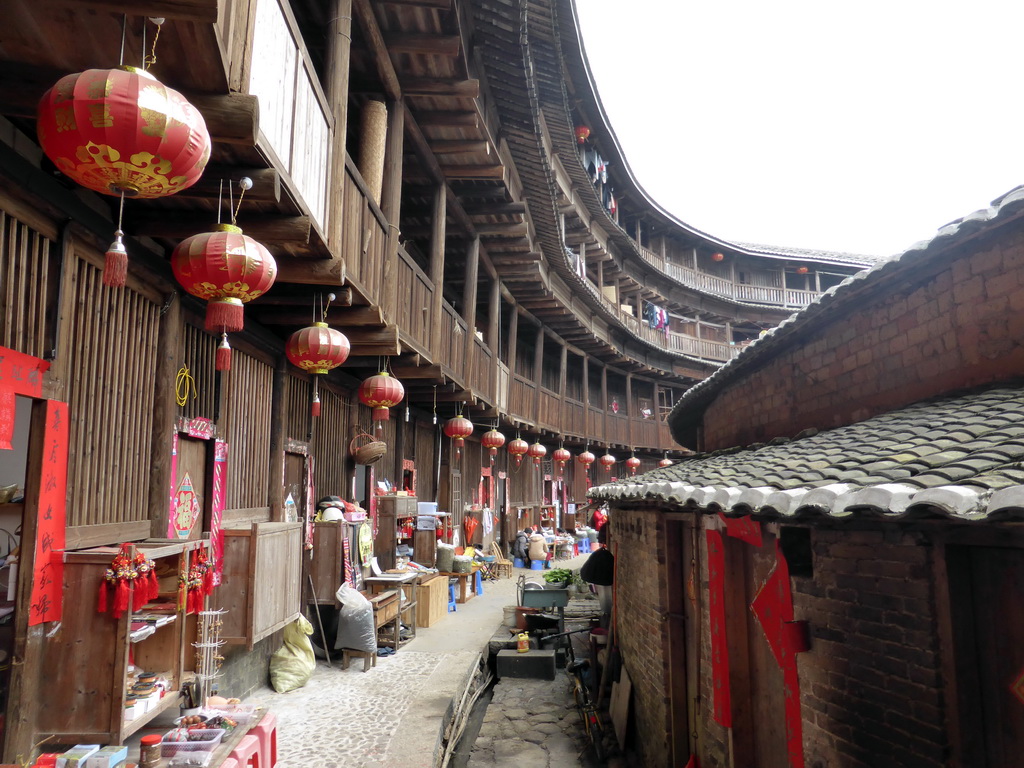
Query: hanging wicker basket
{"type": "Point", "coordinates": [365, 450]}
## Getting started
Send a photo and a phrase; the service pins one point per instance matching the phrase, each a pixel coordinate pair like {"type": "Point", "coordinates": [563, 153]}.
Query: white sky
{"type": "Point", "coordinates": [859, 127]}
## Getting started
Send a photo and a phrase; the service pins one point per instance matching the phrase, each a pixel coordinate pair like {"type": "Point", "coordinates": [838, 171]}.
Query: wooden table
{"type": "Point", "coordinates": [467, 584]}
{"type": "Point", "coordinates": [385, 612]}
{"type": "Point", "coordinates": [407, 583]}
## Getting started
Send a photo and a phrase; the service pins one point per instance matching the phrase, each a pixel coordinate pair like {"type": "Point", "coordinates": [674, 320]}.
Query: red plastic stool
{"type": "Point", "coordinates": [229, 763]}
{"type": "Point", "coordinates": [247, 753]}
{"type": "Point", "coordinates": [266, 732]}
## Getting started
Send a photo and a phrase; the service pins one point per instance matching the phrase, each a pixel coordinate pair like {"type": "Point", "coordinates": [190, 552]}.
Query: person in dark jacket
{"type": "Point", "coordinates": [521, 545]}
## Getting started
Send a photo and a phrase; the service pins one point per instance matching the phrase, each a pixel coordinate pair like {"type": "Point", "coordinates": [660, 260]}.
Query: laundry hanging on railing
{"type": "Point", "coordinates": [656, 317]}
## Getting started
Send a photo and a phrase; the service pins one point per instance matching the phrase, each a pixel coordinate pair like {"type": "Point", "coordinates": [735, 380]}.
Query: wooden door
{"type": "Point", "coordinates": [189, 517]}
{"type": "Point", "coordinates": [996, 578]}
{"type": "Point", "coordinates": [455, 504]}
{"type": "Point", "coordinates": [294, 486]}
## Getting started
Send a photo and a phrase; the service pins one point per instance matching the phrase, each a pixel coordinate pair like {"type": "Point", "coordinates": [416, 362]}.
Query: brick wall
{"type": "Point", "coordinates": [638, 541]}
{"type": "Point", "coordinates": [870, 685]}
{"type": "Point", "coordinates": [951, 321]}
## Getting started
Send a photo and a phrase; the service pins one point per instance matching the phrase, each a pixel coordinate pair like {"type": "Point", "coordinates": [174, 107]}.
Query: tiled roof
{"type": "Point", "coordinates": [813, 254]}
{"type": "Point", "coordinates": [1005, 207]}
{"type": "Point", "coordinates": [960, 456]}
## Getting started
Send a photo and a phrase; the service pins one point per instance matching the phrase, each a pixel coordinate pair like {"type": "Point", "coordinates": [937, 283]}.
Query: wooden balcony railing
{"type": "Point", "coordinates": [364, 238]}
{"type": "Point", "coordinates": [720, 286]}
{"type": "Point", "coordinates": [522, 396]}
{"type": "Point", "coordinates": [453, 341]}
{"type": "Point", "coordinates": [414, 297]}
{"type": "Point", "coordinates": [483, 370]}
{"type": "Point", "coordinates": [550, 414]}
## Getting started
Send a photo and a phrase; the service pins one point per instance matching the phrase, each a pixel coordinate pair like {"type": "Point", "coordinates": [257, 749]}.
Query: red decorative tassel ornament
{"type": "Point", "coordinates": [223, 359]}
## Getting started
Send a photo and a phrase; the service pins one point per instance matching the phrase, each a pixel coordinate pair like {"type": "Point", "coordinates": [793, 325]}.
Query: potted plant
{"type": "Point", "coordinates": [557, 578]}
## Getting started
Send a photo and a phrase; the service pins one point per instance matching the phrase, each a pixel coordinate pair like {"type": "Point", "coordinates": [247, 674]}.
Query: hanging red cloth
{"type": "Point", "coordinates": [470, 525]}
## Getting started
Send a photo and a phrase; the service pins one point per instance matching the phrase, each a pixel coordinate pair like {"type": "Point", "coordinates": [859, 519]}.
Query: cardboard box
{"type": "Point", "coordinates": [77, 755]}
{"type": "Point", "coordinates": [108, 757]}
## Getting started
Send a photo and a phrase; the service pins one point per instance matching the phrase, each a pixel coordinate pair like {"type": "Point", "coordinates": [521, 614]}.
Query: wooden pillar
{"type": "Point", "coordinates": [164, 410]}
{"type": "Point", "coordinates": [391, 205]}
{"type": "Point", "coordinates": [513, 341]}
{"type": "Point", "coordinates": [628, 407]}
{"type": "Point", "coordinates": [469, 298]}
{"type": "Point", "coordinates": [494, 339]}
{"type": "Point", "coordinates": [339, 45]}
{"type": "Point", "coordinates": [538, 367]}
{"type": "Point", "coordinates": [600, 276]}
{"type": "Point", "coordinates": [277, 416]}
{"type": "Point", "coordinates": [437, 235]}
{"type": "Point", "coordinates": [604, 401]}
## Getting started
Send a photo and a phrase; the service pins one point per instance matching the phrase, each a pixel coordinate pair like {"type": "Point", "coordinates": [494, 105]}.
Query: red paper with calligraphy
{"type": "Point", "coordinates": [719, 639]}
{"type": "Point", "coordinates": [20, 374]}
{"type": "Point", "coordinates": [773, 606]}
{"type": "Point", "coordinates": [743, 528]}
{"type": "Point", "coordinates": [48, 565]}
{"type": "Point", "coordinates": [217, 504]}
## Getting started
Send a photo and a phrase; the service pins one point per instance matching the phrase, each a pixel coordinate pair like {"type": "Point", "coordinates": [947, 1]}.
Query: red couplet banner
{"type": "Point", "coordinates": [48, 568]}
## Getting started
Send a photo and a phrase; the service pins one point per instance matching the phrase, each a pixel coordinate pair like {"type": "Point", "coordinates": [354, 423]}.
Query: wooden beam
{"type": "Point", "coordinates": [460, 147]}
{"type": "Point", "coordinates": [266, 183]}
{"type": "Point", "coordinates": [340, 318]}
{"type": "Point", "coordinates": [441, 86]}
{"type": "Point", "coordinates": [375, 40]}
{"type": "Point", "coordinates": [448, 119]}
{"type": "Point", "coordinates": [431, 45]}
{"type": "Point", "coordinates": [200, 11]}
{"type": "Point", "coordinates": [442, 5]}
{"type": "Point", "coordinates": [174, 226]}
{"type": "Point", "coordinates": [497, 209]}
{"type": "Point", "coordinates": [327, 272]}
{"type": "Point", "coordinates": [231, 118]}
{"type": "Point", "coordinates": [429, 372]}
{"type": "Point", "coordinates": [301, 297]}
{"type": "Point", "coordinates": [503, 230]}
{"type": "Point", "coordinates": [463, 172]}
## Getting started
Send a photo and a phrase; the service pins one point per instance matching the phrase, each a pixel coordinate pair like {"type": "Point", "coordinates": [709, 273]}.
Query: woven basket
{"type": "Point", "coordinates": [366, 452]}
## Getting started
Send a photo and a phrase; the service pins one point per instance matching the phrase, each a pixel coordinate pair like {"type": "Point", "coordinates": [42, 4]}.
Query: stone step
{"type": "Point", "coordinates": [533, 664]}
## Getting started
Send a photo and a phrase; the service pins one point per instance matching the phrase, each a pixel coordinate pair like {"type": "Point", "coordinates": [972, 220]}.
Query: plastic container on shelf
{"type": "Point", "coordinates": [205, 740]}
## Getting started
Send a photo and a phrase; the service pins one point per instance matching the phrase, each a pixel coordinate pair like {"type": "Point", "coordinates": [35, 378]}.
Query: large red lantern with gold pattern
{"type": "Point", "coordinates": [537, 452]}
{"type": "Point", "coordinates": [123, 133]}
{"type": "Point", "coordinates": [582, 133]}
{"type": "Point", "coordinates": [492, 440]}
{"type": "Point", "coordinates": [666, 462]}
{"type": "Point", "coordinates": [227, 269]}
{"type": "Point", "coordinates": [458, 429]}
{"type": "Point", "coordinates": [607, 461]}
{"type": "Point", "coordinates": [317, 349]}
{"type": "Point", "coordinates": [586, 459]}
{"type": "Point", "coordinates": [561, 456]}
{"type": "Point", "coordinates": [633, 463]}
{"type": "Point", "coordinates": [518, 449]}
{"type": "Point", "coordinates": [381, 392]}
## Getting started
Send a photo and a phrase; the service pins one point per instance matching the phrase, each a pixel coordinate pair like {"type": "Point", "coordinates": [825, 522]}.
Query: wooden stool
{"type": "Point", "coordinates": [369, 658]}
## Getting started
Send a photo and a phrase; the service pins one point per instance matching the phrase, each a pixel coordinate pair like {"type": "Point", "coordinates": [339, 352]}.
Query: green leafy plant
{"type": "Point", "coordinates": [558, 575]}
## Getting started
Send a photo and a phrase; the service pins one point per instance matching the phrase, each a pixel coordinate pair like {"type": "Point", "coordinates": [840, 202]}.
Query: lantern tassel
{"type": "Point", "coordinates": [121, 596]}
{"type": "Point", "coordinates": [225, 315]}
{"type": "Point", "coordinates": [115, 263]}
{"type": "Point", "coordinates": [223, 360]}
{"type": "Point", "coordinates": [315, 410]}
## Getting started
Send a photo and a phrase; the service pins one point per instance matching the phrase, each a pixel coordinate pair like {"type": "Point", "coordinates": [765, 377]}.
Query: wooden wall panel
{"type": "Point", "coordinates": [298, 402]}
{"type": "Point", "coordinates": [246, 411]}
{"type": "Point", "coordinates": [199, 354]}
{"type": "Point", "coordinates": [329, 446]}
{"type": "Point", "coordinates": [110, 399]}
{"type": "Point", "coordinates": [28, 287]}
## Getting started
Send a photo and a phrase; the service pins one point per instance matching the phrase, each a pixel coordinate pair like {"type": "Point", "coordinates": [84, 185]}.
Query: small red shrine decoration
{"type": "Point", "coordinates": [317, 349]}
{"type": "Point", "coordinates": [633, 463]}
{"type": "Point", "coordinates": [607, 461]}
{"type": "Point", "coordinates": [492, 440]}
{"type": "Point", "coordinates": [458, 429]}
{"type": "Point", "coordinates": [381, 392]}
{"type": "Point", "coordinates": [561, 456]}
{"type": "Point", "coordinates": [225, 268]}
{"type": "Point", "coordinates": [537, 452]}
{"type": "Point", "coordinates": [518, 449]}
{"type": "Point", "coordinates": [717, 256]}
{"type": "Point", "coordinates": [197, 582]}
{"type": "Point", "coordinates": [118, 582]}
{"type": "Point", "coordinates": [666, 462]}
{"type": "Point", "coordinates": [121, 132]}
{"type": "Point", "coordinates": [147, 588]}
{"type": "Point", "coordinates": [582, 133]}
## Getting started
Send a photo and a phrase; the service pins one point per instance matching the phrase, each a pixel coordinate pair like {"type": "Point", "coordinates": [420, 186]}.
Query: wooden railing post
{"type": "Point", "coordinates": [437, 235]}
{"type": "Point", "coordinates": [339, 45]}
{"type": "Point", "coordinates": [469, 302]}
{"type": "Point", "coordinates": [494, 322]}
{"type": "Point", "coordinates": [538, 372]}
{"type": "Point", "coordinates": [391, 206]}
{"type": "Point", "coordinates": [164, 410]}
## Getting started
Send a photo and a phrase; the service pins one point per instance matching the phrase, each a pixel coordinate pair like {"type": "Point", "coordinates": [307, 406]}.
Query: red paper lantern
{"type": "Point", "coordinates": [458, 429]}
{"type": "Point", "coordinates": [802, 270]}
{"type": "Point", "coordinates": [537, 452]}
{"type": "Point", "coordinates": [607, 461]}
{"type": "Point", "coordinates": [561, 456]}
{"type": "Point", "coordinates": [317, 349]}
{"type": "Point", "coordinates": [666, 462]}
{"type": "Point", "coordinates": [518, 449]}
{"type": "Point", "coordinates": [492, 441]}
{"type": "Point", "coordinates": [582, 133]}
{"type": "Point", "coordinates": [633, 463]}
{"type": "Point", "coordinates": [227, 269]}
{"type": "Point", "coordinates": [717, 256]}
{"type": "Point", "coordinates": [586, 459]}
{"type": "Point", "coordinates": [121, 132]}
{"type": "Point", "coordinates": [381, 392]}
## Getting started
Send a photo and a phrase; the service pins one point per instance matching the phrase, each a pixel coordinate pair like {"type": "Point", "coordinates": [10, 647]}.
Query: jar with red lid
{"type": "Point", "coordinates": [149, 751]}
